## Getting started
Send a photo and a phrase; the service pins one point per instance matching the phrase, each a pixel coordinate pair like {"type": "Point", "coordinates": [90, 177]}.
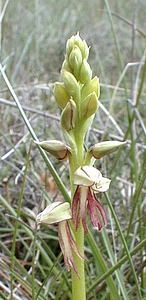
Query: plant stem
{"type": "Point", "coordinates": [78, 281]}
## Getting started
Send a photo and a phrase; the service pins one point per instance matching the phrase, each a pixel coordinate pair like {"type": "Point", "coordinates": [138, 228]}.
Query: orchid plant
{"type": "Point", "coordinates": [77, 97]}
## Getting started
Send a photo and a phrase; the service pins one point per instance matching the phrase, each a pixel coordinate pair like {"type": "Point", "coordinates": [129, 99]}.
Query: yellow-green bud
{"type": "Point", "coordinates": [89, 105]}
{"type": "Point", "coordinates": [90, 87]}
{"type": "Point", "coordinates": [75, 60]}
{"type": "Point", "coordinates": [76, 40]}
{"type": "Point", "coordinates": [60, 94]}
{"type": "Point", "coordinates": [65, 66]}
{"type": "Point", "coordinates": [68, 116]}
{"type": "Point", "coordinates": [69, 45]}
{"type": "Point", "coordinates": [85, 50]}
{"type": "Point", "coordinates": [71, 84]}
{"type": "Point", "coordinates": [56, 148]}
{"type": "Point", "coordinates": [82, 45]}
{"type": "Point", "coordinates": [104, 148]}
{"type": "Point", "coordinates": [85, 72]}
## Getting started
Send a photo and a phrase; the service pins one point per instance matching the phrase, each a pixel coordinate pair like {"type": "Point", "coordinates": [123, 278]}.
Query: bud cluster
{"type": "Point", "coordinates": [78, 94]}
{"type": "Point", "coordinates": [77, 97]}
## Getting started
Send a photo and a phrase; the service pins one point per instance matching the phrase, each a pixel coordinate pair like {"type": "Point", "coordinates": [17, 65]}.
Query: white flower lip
{"type": "Point", "coordinates": [90, 176]}
{"type": "Point", "coordinates": [102, 186]}
{"type": "Point", "coordinates": [55, 213]}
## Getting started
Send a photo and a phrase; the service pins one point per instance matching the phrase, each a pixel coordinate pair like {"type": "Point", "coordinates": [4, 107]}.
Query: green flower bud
{"type": "Point", "coordinates": [77, 40]}
{"type": "Point", "coordinates": [75, 60]}
{"type": "Point", "coordinates": [85, 72]}
{"type": "Point", "coordinates": [104, 148]}
{"type": "Point", "coordinates": [68, 116]}
{"type": "Point", "coordinates": [71, 84]}
{"type": "Point", "coordinates": [89, 105]}
{"type": "Point", "coordinates": [56, 148]}
{"type": "Point", "coordinates": [85, 50]}
{"type": "Point", "coordinates": [60, 94]}
{"type": "Point", "coordinates": [69, 45]}
{"type": "Point", "coordinates": [65, 66]}
{"type": "Point", "coordinates": [82, 45]}
{"type": "Point", "coordinates": [90, 87]}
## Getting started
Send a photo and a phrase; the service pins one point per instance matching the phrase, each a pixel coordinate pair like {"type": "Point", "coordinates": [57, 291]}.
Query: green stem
{"type": "Point", "coordinates": [78, 280]}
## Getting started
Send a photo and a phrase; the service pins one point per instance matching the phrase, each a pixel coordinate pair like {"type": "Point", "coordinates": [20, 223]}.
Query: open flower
{"type": "Point", "coordinates": [60, 213]}
{"type": "Point", "coordinates": [89, 181]}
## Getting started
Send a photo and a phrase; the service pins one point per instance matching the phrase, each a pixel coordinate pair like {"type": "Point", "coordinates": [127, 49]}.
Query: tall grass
{"type": "Point", "coordinates": [32, 41]}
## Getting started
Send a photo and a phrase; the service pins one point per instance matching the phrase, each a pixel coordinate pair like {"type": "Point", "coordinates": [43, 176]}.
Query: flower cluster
{"type": "Point", "coordinates": [77, 97]}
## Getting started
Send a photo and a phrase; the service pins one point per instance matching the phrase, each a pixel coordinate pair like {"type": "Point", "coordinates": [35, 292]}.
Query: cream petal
{"type": "Point", "coordinates": [55, 213]}
{"type": "Point", "coordinates": [102, 185]}
{"type": "Point", "coordinates": [87, 176]}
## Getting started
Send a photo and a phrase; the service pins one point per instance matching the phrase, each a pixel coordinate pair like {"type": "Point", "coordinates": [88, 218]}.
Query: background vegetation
{"type": "Point", "coordinates": [32, 45]}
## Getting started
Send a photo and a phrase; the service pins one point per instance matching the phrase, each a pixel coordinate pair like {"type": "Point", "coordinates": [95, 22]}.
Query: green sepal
{"type": "Point", "coordinates": [75, 60]}
{"type": "Point", "coordinates": [90, 87]}
{"type": "Point", "coordinates": [71, 84]}
{"type": "Point", "coordinates": [89, 106]}
{"type": "Point", "coordinates": [60, 94]}
{"type": "Point", "coordinates": [85, 72]}
{"type": "Point", "coordinates": [103, 148]}
{"type": "Point", "coordinates": [69, 115]}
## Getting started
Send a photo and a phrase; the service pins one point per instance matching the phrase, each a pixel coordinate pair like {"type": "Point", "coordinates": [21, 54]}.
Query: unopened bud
{"type": "Point", "coordinates": [85, 72]}
{"type": "Point", "coordinates": [82, 45]}
{"type": "Point", "coordinates": [60, 94]}
{"type": "Point", "coordinates": [85, 50]}
{"type": "Point", "coordinates": [77, 40]}
{"type": "Point", "coordinates": [54, 213]}
{"type": "Point", "coordinates": [71, 84]}
{"type": "Point", "coordinates": [104, 148]}
{"type": "Point", "coordinates": [90, 87]}
{"type": "Point", "coordinates": [56, 148]}
{"type": "Point", "coordinates": [69, 45]}
{"type": "Point", "coordinates": [75, 60]}
{"type": "Point", "coordinates": [65, 66]}
{"type": "Point", "coordinates": [89, 105]}
{"type": "Point", "coordinates": [68, 116]}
